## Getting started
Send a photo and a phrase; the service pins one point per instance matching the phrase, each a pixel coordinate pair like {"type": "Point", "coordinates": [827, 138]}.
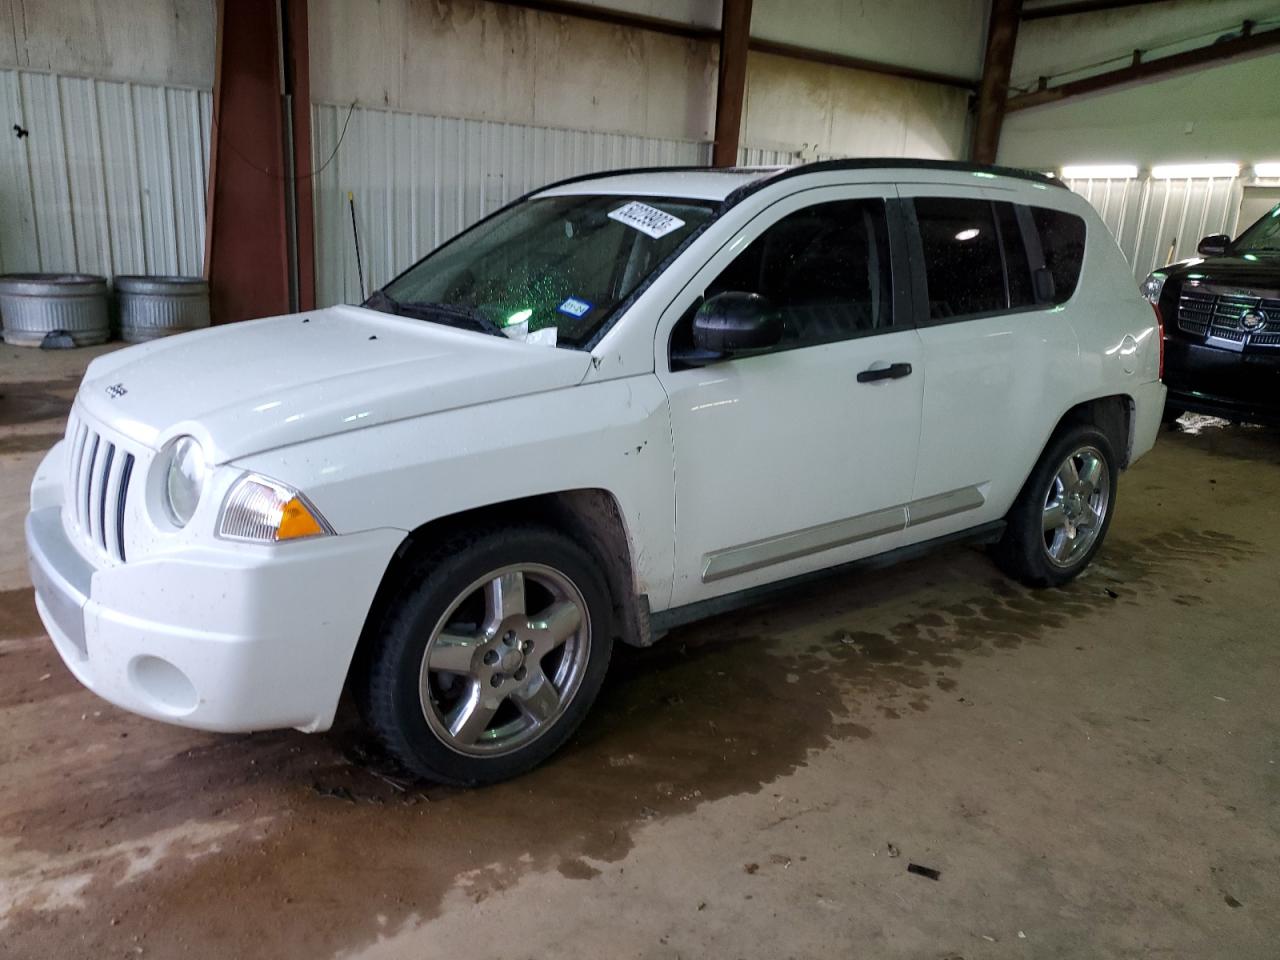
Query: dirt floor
{"type": "Point", "coordinates": [1092, 771]}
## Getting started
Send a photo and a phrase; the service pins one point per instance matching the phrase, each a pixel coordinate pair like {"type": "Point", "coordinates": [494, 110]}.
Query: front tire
{"type": "Point", "coordinates": [488, 656]}
{"type": "Point", "coordinates": [1064, 510]}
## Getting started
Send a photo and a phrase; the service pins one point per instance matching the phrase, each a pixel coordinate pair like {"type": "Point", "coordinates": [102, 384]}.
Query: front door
{"type": "Point", "coordinates": [788, 460]}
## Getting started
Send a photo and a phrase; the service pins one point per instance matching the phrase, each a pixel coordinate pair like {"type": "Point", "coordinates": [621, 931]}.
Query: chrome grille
{"type": "Point", "coordinates": [97, 490]}
{"type": "Point", "coordinates": [1205, 314]}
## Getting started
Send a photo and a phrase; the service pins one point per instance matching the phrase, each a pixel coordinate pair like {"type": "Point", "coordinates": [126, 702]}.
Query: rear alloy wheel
{"type": "Point", "coordinates": [1062, 514]}
{"type": "Point", "coordinates": [489, 655]}
{"type": "Point", "coordinates": [1075, 506]}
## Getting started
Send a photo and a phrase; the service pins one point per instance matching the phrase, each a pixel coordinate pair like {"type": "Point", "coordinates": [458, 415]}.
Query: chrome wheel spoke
{"type": "Point", "coordinates": [453, 652]}
{"type": "Point", "coordinates": [1092, 518]}
{"type": "Point", "coordinates": [472, 716]}
{"type": "Point", "coordinates": [503, 598]}
{"type": "Point", "coordinates": [538, 699]}
{"type": "Point", "coordinates": [1091, 471]}
{"type": "Point", "coordinates": [1068, 475]}
{"type": "Point", "coordinates": [1054, 517]}
{"type": "Point", "coordinates": [557, 623]}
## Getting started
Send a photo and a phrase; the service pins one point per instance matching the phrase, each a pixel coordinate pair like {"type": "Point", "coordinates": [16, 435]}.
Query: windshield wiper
{"type": "Point", "coordinates": [446, 313]}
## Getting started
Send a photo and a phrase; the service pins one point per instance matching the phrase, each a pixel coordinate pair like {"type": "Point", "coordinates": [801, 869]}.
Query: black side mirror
{"type": "Point", "coordinates": [1042, 281]}
{"type": "Point", "coordinates": [1215, 245]}
{"type": "Point", "coordinates": [733, 322]}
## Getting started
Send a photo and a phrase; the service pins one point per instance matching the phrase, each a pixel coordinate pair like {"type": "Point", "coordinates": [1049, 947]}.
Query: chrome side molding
{"type": "Point", "coordinates": [944, 505]}
{"type": "Point", "coordinates": [800, 543]}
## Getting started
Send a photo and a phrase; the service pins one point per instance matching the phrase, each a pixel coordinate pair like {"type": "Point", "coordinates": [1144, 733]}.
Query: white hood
{"type": "Point", "coordinates": [248, 387]}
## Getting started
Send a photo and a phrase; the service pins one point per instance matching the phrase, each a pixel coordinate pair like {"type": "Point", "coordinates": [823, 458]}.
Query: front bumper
{"type": "Point", "coordinates": [1232, 384]}
{"type": "Point", "coordinates": [228, 637]}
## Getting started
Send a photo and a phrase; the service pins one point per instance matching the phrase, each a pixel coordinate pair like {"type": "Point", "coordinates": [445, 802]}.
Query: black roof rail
{"type": "Point", "coordinates": [893, 163]}
{"type": "Point", "coordinates": [819, 166]}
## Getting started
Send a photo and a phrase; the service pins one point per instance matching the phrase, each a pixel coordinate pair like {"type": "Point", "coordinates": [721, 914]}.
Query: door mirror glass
{"type": "Point", "coordinates": [1215, 245]}
{"type": "Point", "coordinates": [736, 322]}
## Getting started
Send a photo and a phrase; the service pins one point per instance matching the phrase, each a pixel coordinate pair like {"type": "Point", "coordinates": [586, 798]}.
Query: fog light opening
{"type": "Point", "coordinates": [160, 682]}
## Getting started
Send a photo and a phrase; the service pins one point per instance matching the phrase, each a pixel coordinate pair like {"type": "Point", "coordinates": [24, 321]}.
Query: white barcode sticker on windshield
{"type": "Point", "coordinates": [648, 220]}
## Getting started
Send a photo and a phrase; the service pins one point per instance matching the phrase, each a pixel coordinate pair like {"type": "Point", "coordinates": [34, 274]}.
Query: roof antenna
{"type": "Point", "coordinates": [355, 236]}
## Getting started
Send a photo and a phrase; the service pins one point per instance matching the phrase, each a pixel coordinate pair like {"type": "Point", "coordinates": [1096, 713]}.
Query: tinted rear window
{"type": "Point", "coordinates": [962, 263]}
{"type": "Point", "coordinates": [1062, 240]}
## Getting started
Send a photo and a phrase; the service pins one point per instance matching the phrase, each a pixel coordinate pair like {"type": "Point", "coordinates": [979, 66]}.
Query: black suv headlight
{"type": "Point", "coordinates": [1153, 286]}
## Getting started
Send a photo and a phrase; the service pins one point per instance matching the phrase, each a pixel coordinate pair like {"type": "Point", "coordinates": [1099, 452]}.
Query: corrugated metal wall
{"type": "Point", "coordinates": [417, 180]}
{"type": "Point", "coordinates": [767, 157]}
{"type": "Point", "coordinates": [1159, 221]}
{"type": "Point", "coordinates": [109, 178]}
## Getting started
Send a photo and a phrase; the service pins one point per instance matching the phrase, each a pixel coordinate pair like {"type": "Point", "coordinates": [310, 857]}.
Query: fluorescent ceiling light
{"type": "Point", "coordinates": [1101, 171]}
{"type": "Point", "coordinates": [1267, 169]}
{"type": "Point", "coordinates": [1196, 171]}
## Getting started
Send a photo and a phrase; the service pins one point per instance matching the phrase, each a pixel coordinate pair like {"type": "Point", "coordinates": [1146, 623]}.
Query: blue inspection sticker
{"type": "Point", "coordinates": [575, 307]}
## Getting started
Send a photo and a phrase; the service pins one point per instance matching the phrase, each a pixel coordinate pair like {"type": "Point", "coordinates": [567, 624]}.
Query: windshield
{"type": "Point", "coordinates": [549, 270]}
{"type": "Point", "coordinates": [1263, 236]}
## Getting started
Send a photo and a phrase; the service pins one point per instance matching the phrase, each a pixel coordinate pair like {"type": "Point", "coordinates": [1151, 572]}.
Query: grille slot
{"type": "Point", "coordinates": [98, 474]}
{"type": "Point", "coordinates": [1204, 314]}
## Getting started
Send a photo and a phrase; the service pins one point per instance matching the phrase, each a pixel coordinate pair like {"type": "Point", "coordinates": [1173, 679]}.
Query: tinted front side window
{"type": "Point", "coordinates": [1062, 239]}
{"type": "Point", "coordinates": [825, 267]}
{"type": "Point", "coordinates": [962, 262]}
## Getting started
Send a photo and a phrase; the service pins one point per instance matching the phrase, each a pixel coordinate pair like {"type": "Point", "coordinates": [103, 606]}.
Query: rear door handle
{"type": "Point", "coordinates": [894, 371]}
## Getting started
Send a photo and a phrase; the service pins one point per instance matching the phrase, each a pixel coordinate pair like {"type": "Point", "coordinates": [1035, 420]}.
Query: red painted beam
{"type": "Point", "coordinates": [735, 34]}
{"type": "Point", "coordinates": [298, 83]}
{"type": "Point", "coordinates": [1082, 6]}
{"type": "Point", "coordinates": [248, 228]}
{"type": "Point", "coordinates": [1248, 44]}
{"type": "Point", "coordinates": [993, 92]}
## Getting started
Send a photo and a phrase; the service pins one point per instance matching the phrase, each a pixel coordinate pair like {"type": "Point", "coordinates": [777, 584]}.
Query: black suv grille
{"type": "Point", "coordinates": [1204, 314]}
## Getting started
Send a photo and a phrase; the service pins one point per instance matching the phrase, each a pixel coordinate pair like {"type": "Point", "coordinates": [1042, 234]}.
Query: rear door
{"type": "Point", "coordinates": [996, 359]}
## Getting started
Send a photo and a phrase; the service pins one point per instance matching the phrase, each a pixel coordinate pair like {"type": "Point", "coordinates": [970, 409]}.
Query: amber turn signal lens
{"type": "Point", "coordinates": [297, 521]}
{"type": "Point", "coordinates": [261, 510]}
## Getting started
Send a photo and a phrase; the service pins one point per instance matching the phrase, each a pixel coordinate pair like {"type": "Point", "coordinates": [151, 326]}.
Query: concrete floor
{"type": "Point", "coordinates": [1094, 771]}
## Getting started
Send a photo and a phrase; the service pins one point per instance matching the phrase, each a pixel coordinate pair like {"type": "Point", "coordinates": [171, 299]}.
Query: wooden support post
{"type": "Point", "coordinates": [297, 77]}
{"type": "Point", "coordinates": [259, 214]}
{"type": "Point", "coordinates": [993, 92]}
{"type": "Point", "coordinates": [735, 33]}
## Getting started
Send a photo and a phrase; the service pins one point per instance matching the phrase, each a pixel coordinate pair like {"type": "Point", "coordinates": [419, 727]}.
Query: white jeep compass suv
{"type": "Point", "coordinates": [617, 404]}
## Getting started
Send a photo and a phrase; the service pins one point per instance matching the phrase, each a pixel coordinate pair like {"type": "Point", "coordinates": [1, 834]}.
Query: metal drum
{"type": "Point", "coordinates": [34, 305]}
{"type": "Point", "coordinates": [153, 307]}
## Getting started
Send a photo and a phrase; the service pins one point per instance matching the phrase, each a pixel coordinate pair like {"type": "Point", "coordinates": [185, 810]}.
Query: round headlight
{"type": "Point", "coordinates": [184, 480]}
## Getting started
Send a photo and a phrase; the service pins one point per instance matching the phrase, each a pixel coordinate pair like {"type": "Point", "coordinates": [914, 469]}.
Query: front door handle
{"type": "Point", "coordinates": [893, 371]}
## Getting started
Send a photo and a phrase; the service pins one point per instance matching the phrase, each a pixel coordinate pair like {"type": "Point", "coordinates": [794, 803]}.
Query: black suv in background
{"type": "Point", "coordinates": [1221, 314]}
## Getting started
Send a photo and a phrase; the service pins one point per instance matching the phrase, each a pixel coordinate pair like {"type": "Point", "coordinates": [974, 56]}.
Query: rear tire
{"type": "Point", "coordinates": [488, 655]}
{"type": "Point", "coordinates": [1064, 510]}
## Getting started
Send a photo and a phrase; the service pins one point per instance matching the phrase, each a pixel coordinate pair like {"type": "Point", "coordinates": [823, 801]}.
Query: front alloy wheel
{"type": "Point", "coordinates": [505, 660]}
{"type": "Point", "coordinates": [487, 655]}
